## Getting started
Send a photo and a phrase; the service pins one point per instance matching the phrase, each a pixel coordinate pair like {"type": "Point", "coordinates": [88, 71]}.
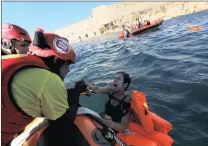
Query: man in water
{"type": "Point", "coordinates": [126, 31]}
{"type": "Point", "coordinates": [117, 108]}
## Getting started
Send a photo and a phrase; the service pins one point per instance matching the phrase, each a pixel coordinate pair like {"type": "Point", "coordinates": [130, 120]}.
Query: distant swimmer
{"type": "Point", "coordinates": [126, 31]}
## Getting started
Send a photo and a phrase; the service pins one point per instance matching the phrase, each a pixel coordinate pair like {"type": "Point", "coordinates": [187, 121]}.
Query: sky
{"type": "Point", "coordinates": [48, 15]}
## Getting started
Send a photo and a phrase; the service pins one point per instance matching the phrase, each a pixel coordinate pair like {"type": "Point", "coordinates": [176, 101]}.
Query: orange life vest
{"type": "Point", "coordinates": [149, 120]}
{"type": "Point", "coordinates": [13, 119]}
{"type": "Point", "coordinates": [141, 111]}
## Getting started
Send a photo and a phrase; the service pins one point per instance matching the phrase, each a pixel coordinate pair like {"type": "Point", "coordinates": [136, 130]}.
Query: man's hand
{"type": "Point", "coordinates": [109, 123]}
{"type": "Point", "coordinates": [106, 117]}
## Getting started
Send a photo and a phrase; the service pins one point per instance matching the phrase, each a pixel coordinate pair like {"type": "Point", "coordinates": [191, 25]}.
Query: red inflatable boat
{"type": "Point", "coordinates": [147, 26]}
{"type": "Point", "coordinates": [152, 130]}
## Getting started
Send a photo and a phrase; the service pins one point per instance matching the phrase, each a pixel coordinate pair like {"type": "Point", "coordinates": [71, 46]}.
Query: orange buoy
{"type": "Point", "coordinates": [194, 28]}
{"type": "Point", "coordinates": [121, 35]}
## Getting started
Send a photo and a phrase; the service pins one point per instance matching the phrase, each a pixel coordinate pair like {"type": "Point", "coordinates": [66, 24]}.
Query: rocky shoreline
{"type": "Point", "coordinates": [97, 26]}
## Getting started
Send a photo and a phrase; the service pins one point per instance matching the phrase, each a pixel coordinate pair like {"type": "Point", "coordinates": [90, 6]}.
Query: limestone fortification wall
{"type": "Point", "coordinates": [107, 19]}
{"type": "Point", "coordinates": [106, 14]}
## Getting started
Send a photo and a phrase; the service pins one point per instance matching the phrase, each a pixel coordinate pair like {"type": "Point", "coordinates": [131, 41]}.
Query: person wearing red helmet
{"type": "Point", "coordinates": [32, 85]}
{"type": "Point", "coordinates": [14, 40]}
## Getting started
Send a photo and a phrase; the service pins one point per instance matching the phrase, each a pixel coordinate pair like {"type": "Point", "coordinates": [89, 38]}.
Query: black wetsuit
{"type": "Point", "coordinates": [118, 111]}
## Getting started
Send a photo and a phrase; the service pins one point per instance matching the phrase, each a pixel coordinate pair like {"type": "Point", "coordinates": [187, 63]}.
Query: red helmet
{"type": "Point", "coordinates": [12, 32]}
{"type": "Point", "coordinates": [50, 44]}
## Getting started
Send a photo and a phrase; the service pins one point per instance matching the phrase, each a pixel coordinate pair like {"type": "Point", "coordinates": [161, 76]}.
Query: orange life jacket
{"type": "Point", "coordinates": [148, 120]}
{"type": "Point", "coordinates": [13, 119]}
{"type": "Point", "coordinates": [141, 111]}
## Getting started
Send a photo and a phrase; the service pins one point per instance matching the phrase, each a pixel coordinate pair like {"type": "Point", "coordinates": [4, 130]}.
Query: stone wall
{"type": "Point", "coordinates": [107, 19]}
{"type": "Point", "coordinates": [109, 13]}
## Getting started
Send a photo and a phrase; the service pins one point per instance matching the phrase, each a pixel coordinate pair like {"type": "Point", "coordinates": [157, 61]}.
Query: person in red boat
{"type": "Point", "coordinates": [32, 86]}
{"type": "Point", "coordinates": [14, 40]}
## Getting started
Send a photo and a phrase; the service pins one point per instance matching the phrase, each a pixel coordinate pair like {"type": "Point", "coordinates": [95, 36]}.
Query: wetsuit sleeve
{"type": "Point", "coordinates": [73, 96]}
{"type": "Point", "coordinates": [54, 98]}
